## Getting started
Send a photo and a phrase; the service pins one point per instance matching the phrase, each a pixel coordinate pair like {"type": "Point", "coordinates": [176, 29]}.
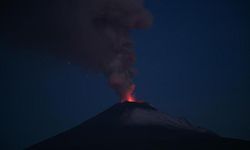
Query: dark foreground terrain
{"type": "Point", "coordinates": [138, 126]}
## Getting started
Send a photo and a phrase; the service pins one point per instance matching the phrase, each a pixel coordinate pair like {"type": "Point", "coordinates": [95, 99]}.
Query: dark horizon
{"type": "Point", "coordinates": [138, 126]}
{"type": "Point", "coordinates": [193, 62]}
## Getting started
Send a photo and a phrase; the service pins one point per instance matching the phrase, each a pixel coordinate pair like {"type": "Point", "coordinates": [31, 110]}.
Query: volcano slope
{"type": "Point", "coordinates": [138, 126]}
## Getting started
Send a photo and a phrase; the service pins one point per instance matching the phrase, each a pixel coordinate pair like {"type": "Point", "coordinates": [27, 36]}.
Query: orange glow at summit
{"type": "Point", "coordinates": [129, 96]}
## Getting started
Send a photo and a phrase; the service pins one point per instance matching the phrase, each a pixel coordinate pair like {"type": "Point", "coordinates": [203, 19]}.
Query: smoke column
{"type": "Point", "coordinates": [94, 34]}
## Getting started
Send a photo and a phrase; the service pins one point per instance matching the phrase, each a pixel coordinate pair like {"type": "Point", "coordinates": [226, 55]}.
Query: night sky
{"type": "Point", "coordinates": [194, 62]}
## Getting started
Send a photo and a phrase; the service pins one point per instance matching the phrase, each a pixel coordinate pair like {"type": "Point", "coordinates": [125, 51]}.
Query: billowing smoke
{"type": "Point", "coordinates": [92, 33]}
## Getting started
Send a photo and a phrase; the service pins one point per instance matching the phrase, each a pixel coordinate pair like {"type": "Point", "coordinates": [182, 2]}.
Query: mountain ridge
{"type": "Point", "coordinates": [137, 126]}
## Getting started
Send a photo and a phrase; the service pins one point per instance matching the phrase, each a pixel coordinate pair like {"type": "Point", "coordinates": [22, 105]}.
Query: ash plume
{"type": "Point", "coordinates": [90, 33]}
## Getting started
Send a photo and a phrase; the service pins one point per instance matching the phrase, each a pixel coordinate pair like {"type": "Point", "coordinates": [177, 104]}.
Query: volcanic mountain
{"type": "Point", "coordinates": [138, 126]}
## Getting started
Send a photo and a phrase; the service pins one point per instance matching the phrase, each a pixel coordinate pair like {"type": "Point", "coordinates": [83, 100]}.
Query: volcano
{"type": "Point", "coordinates": [138, 126]}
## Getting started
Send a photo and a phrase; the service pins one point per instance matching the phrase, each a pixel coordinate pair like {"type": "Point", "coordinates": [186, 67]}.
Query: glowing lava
{"type": "Point", "coordinates": [129, 96]}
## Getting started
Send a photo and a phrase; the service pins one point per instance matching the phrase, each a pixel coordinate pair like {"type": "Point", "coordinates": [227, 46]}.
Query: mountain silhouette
{"type": "Point", "coordinates": [138, 126]}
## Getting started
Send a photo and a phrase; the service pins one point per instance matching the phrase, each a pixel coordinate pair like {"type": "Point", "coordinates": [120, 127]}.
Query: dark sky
{"type": "Point", "coordinates": [194, 62]}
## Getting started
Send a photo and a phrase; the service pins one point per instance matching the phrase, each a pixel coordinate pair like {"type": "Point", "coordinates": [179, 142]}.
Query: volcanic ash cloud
{"type": "Point", "coordinates": [94, 34]}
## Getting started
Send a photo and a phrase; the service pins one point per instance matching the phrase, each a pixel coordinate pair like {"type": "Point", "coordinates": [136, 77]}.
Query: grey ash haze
{"type": "Point", "coordinates": [92, 33]}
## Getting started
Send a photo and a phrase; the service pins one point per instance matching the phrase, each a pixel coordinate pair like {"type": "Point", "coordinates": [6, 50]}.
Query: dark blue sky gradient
{"type": "Point", "coordinates": [194, 62]}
